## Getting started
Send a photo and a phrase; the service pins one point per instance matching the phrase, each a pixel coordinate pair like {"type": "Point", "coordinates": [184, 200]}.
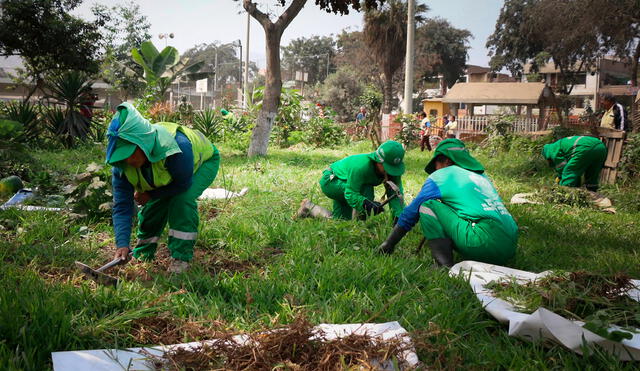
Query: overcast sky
{"type": "Point", "coordinates": [204, 21]}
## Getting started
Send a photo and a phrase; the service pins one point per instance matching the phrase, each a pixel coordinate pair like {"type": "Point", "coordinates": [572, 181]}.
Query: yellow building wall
{"type": "Point", "coordinates": [440, 108]}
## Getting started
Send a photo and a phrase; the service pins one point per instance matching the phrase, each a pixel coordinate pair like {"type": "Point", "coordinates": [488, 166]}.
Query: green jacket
{"type": "Point", "coordinates": [561, 151]}
{"type": "Point", "coordinates": [358, 171]}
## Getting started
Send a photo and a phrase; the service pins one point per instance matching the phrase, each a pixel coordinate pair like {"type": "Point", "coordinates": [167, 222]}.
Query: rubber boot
{"type": "Point", "coordinates": [390, 243]}
{"type": "Point", "coordinates": [442, 251]}
{"type": "Point", "coordinates": [309, 209]}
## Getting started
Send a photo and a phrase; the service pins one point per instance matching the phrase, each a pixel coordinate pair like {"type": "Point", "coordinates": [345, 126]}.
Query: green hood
{"type": "Point", "coordinates": [458, 153]}
{"type": "Point", "coordinates": [129, 128]}
{"type": "Point", "coordinates": [550, 151]}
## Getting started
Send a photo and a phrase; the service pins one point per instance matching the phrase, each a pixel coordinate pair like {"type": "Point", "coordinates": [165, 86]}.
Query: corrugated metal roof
{"type": "Point", "coordinates": [495, 93]}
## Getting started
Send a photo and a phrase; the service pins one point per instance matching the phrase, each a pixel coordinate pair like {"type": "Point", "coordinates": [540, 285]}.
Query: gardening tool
{"type": "Point", "coordinates": [98, 275]}
{"type": "Point", "coordinates": [396, 191]}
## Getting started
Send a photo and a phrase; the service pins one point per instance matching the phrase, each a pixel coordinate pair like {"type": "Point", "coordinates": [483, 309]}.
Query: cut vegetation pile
{"type": "Point", "coordinates": [598, 300]}
{"type": "Point", "coordinates": [571, 196]}
{"type": "Point", "coordinates": [298, 347]}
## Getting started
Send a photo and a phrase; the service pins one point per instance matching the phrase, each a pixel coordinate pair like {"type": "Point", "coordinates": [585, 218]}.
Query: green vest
{"type": "Point", "coordinates": [202, 151]}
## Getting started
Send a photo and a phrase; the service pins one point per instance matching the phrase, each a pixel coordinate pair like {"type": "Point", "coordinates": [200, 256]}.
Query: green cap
{"type": "Point", "coordinates": [456, 151]}
{"type": "Point", "coordinates": [124, 150]}
{"type": "Point", "coordinates": [224, 112]}
{"type": "Point", "coordinates": [390, 154]}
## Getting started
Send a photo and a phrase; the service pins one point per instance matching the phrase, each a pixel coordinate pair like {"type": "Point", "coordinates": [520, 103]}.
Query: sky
{"type": "Point", "coordinates": [205, 21]}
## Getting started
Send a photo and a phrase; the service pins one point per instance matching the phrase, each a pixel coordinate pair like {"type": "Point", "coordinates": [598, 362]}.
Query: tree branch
{"type": "Point", "coordinates": [292, 11]}
{"type": "Point", "coordinates": [253, 10]}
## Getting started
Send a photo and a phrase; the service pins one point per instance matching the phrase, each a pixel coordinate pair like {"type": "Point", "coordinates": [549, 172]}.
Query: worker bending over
{"type": "Point", "coordinates": [350, 184]}
{"type": "Point", "coordinates": [575, 156]}
{"type": "Point", "coordinates": [164, 167]}
{"type": "Point", "coordinates": [458, 209]}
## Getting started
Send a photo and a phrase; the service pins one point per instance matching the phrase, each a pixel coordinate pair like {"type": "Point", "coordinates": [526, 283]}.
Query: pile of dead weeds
{"type": "Point", "coordinates": [298, 346]}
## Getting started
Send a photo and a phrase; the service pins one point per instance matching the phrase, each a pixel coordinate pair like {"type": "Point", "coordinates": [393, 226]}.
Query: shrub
{"type": "Point", "coordinates": [409, 134]}
{"type": "Point", "coordinates": [499, 134]}
{"type": "Point", "coordinates": [91, 194]}
{"type": "Point", "coordinates": [630, 162]}
{"type": "Point", "coordinates": [323, 132]}
{"type": "Point", "coordinates": [341, 90]}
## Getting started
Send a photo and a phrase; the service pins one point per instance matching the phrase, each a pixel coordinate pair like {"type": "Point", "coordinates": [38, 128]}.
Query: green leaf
{"type": "Point", "coordinates": [149, 52]}
{"type": "Point", "coordinates": [165, 60]}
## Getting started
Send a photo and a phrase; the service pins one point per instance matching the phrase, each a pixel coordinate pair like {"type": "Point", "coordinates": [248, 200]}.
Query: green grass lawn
{"type": "Point", "coordinates": [257, 267]}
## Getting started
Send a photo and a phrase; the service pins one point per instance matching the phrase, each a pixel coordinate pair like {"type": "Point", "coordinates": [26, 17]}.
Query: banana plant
{"type": "Point", "coordinates": [162, 68]}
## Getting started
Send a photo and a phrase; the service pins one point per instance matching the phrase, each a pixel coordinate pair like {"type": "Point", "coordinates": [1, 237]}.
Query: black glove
{"type": "Point", "coordinates": [390, 243]}
{"type": "Point", "coordinates": [372, 207]}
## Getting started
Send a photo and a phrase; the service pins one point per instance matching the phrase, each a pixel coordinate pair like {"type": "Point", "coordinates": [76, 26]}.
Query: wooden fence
{"type": "Point", "coordinates": [479, 124]}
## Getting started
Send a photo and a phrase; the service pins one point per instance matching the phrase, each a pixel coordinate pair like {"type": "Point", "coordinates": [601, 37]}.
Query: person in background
{"type": "Point", "coordinates": [575, 157]}
{"type": "Point", "coordinates": [451, 128]}
{"type": "Point", "coordinates": [458, 209]}
{"type": "Point", "coordinates": [425, 132]}
{"type": "Point", "coordinates": [614, 116]}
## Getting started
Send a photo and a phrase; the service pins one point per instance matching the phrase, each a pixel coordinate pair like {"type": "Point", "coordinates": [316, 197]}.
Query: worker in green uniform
{"type": "Point", "coordinates": [575, 156]}
{"type": "Point", "coordinates": [458, 209]}
{"type": "Point", "coordinates": [164, 167]}
{"type": "Point", "coordinates": [350, 184]}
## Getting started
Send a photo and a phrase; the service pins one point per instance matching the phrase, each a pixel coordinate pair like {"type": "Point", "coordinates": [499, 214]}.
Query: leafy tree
{"type": "Point", "coordinates": [342, 91]}
{"type": "Point", "coordinates": [441, 50]}
{"type": "Point", "coordinates": [273, 33]}
{"type": "Point", "coordinates": [538, 31]}
{"type": "Point", "coordinates": [312, 55]}
{"type": "Point", "coordinates": [124, 28]}
{"type": "Point", "coordinates": [619, 30]}
{"type": "Point", "coordinates": [162, 68]}
{"type": "Point", "coordinates": [385, 34]}
{"type": "Point", "coordinates": [48, 38]}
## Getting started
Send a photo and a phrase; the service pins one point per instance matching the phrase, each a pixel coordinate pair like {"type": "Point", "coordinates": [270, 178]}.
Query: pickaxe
{"type": "Point", "coordinates": [98, 275]}
{"type": "Point", "coordinates": [396, 191]}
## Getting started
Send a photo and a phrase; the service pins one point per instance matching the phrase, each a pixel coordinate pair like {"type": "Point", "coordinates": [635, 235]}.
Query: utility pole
{"type": "Point", "coordinates": [245, 84]}
{"type": "Point", "coordinates": [408, 70]}
{"type": "Point", "coordinates": [215, 79]}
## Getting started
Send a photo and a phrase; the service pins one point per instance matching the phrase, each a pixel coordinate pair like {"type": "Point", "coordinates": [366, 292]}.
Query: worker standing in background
{"type": "Point", "coordinates": [350, 184]}
{"type": "Point", "coordinates": [575, 157]}
{"type": "Point", "coordinates": [614, 116]}
{"type": "Point", "coordinates": [451, 128]}
{"type": "Point", "coordinates": [458, 209]}
{"type": "Point", "coordinates": [164, 167]}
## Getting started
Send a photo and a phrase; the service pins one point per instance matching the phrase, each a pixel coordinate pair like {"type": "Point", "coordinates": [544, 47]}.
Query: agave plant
{"type": "Point", "coordinates": [210, 123]}
{"type": "Point", "coordinates": [26, 114]}
{"type": "Point", "coordinates": [69, 89]}
{"type": "Point", "coordinates": [162, 68]}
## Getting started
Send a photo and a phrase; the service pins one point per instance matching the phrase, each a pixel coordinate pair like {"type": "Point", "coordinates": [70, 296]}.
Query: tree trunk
{"type": "Point", "coordinates": [634, 66]}
{"type": "Point", "coordinates": [271, 98]}
{"type": "Point", "coordinates": [387, 93]}
{"type": "Point", "coordinates": [273, 85]}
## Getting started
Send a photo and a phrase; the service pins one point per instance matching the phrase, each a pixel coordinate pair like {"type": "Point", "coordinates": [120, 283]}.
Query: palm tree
{"type": "Point", "coordinates": [385, 34]}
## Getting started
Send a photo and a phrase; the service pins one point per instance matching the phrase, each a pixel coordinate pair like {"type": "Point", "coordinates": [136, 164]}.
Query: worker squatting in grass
{"type": "Point", "coordinates": [458, 209]}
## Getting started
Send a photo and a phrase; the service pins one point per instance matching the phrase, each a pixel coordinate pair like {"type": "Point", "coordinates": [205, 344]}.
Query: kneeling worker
{"type": "Point", "coordinates": [458, 209]}
{"type": "Point", "coordinates": [350, 181]}
{"type": "Point", "coordinates": [164, 167]}
{"type": "Point", "coordinates": [573, 157]}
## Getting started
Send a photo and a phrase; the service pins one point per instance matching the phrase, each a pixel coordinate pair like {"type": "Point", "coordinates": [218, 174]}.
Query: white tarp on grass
{"type": "Point", "coordinates": [541, 324]}
{"type": "Point", "coordinates": [133, 359]}
{"type": "Point", "coordinates": [221, 194]}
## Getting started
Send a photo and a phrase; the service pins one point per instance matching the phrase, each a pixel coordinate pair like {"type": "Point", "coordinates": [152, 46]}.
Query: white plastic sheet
{"type": "Point", "coordinates": [541, 324]}
{"type": "Point", "coordinates": [221, 194]}
{"type": "Point", "coordinates": [133, 359]}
